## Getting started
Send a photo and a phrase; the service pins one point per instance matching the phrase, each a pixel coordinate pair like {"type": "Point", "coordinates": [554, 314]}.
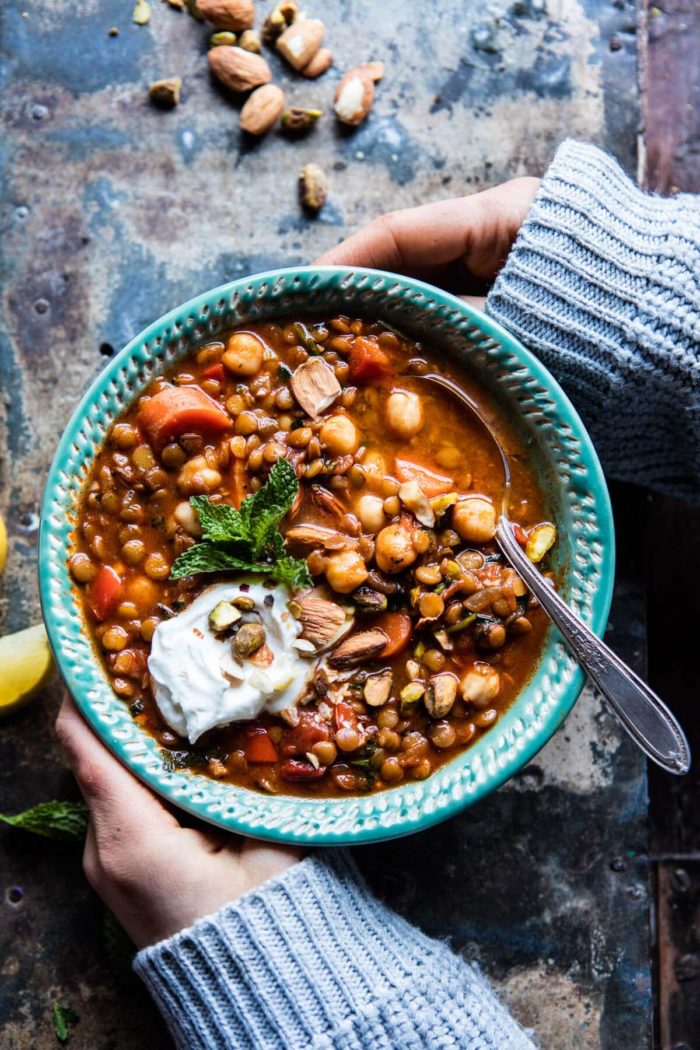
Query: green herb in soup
{"type": "Point", "coordinates": [286, 552]}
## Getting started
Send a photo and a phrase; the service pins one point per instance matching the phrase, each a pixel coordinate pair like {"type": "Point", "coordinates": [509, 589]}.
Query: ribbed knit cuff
{"type": "Point", "coordinates": [313, 959]}
{"type": "Point", "coordinates": [603, 284]}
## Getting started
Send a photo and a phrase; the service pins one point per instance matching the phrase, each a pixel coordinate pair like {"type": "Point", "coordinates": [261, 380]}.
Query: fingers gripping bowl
{"type": "Point", "coordinates": [332, 467]}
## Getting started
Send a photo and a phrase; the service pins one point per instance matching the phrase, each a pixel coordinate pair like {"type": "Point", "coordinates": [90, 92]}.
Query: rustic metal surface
{"type": "Point", "coordinates": [113, 212]}
{"type": "Point", "coordinates": [670, 59]}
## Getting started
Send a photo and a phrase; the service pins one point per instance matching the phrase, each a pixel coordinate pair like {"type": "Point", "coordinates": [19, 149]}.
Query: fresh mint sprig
{"type": "Point", "coordinates": [247, 540]}
{"type": "Point", "coordinates": [53, 820]}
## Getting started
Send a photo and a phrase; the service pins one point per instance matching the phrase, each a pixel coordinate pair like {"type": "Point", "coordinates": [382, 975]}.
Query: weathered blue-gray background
{"type": "Point", "coordinates": [113, 212]}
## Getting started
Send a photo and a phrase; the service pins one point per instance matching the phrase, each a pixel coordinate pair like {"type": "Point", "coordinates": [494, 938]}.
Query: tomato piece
{"type": "Point", "coordinates": [520, 535]}
{"type": "Point", "coordinates": [344, 716]}
{"type": "Point", "coordinates": [104, 592]}
{"type": "Point", "coordinates": [259, 746]}
{"type": "Point", "coordinates": [176, 410]}
{"type": "Point", "coordinates": [367, 361]}
{"type": "Point", "coordinates": [300, 739]}
{"type": "Point", "coordinates": [215, 372]}
{"type": "Point", "coordinates": [397, 626]}
{"type": "Point", "coordinates": [298, 772]}
{"type": "Point", "coordinates": [433, 484]}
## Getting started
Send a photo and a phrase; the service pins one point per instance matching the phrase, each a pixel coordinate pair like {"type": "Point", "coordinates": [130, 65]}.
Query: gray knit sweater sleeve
{"type": "Point", "coordinates": [603, 284]}
{"type": "Point", "coordinates": [313, 961]}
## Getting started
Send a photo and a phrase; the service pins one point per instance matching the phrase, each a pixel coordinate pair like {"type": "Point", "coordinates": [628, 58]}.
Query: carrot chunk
{"type": "Point", "coordinates": [407, 468]}
{"type": "Point", "coordinates": [259, 746]}
{"type": "Point", "coordinates": [367, 361]}
{"type": "Point", "coordinates": [397, 627]}
{"type": "Point", "coordinates": [177, 410]}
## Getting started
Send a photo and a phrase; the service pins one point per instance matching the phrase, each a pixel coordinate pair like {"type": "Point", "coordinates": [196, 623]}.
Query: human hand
{"type": "Point", "coordinates": [155, 875]}
{"type": "Point", "coordinates": [461, 243]}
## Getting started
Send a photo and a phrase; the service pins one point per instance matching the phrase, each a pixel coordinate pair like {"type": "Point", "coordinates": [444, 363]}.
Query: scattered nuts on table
{"type": "Point", "coordinates": [296, 118]}
{"type": "Point", "coordinates": [313, 187]}
{"type": "Point", "coordinates": [277, 21]}
{"type": "Point", "coordinates": [227, 14]}
{"type": "Point", "coordinates": [165, 93]}
{"type": "Point", "coordinates": [142, 13]}
{"type": "Point", "coordinates": [354, 96]}
{"type": "Point", "coordinates": [239, 70]}
{"type": "Point", "coordinates": [300, 41]}
{"type": "Point", "coordinates": [262, 110]}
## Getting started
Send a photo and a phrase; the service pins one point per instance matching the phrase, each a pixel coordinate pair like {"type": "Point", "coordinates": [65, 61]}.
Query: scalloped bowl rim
{"type": "Point", "coordinates": [534, 715]}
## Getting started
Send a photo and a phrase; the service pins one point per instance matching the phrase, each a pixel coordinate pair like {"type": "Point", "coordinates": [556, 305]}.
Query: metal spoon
{"type": "Point", "coordinates": [645, 717]}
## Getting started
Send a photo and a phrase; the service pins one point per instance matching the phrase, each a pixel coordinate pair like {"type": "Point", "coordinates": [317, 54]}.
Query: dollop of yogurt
{"type": "Point", "coordinates": [199, 684]}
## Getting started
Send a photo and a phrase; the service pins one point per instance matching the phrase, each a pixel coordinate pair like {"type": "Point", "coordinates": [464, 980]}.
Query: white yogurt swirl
{"type": "Point", "coordinates": [197, 682]}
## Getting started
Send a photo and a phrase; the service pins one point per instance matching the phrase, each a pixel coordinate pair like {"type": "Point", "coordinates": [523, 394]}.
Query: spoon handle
{"type": "Point", "coordinates": [643, 714]}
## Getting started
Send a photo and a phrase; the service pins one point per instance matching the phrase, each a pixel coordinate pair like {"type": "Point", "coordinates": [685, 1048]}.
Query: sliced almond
{"type": "Point", "coordinates": [313, 536]}
{"type": "Point", "coordinates": [262, 109]}
{"type": "Point", "coordinates": [322, 60]}
{"type": "Point", "coordinates": [323, 623]}
{"type": "Point", "coordinates": [238, 70]}
{"type": "Point", "coordinates": [314, 384]}
{"type": "Point", "coordinates": [227, 14]}
{"type": "Point", "coordinates": [413, 497]}
{"type": "Point", "coordinates": [353, 97]}
{"type": "Point", "coordinates": [300, 42]}
{"type": "Point", "coordinates": [364, 645]}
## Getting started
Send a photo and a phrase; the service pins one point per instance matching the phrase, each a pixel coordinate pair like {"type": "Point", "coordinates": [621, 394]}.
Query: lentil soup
{"type": "Point", "coordinates": [287, 563]}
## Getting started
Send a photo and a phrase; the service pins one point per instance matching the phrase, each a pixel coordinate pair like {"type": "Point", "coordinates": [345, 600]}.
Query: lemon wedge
{"type": "Point", "coordinates": [3, 545]}
{"type": "Point", "coordinates": [25, 667]}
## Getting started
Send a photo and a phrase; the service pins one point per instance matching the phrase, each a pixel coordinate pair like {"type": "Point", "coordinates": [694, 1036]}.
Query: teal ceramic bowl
{"type": "Point", "coordinates": [565, 459]}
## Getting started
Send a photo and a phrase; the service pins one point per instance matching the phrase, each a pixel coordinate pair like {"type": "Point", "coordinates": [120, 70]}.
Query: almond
{"type": "Point", "coordinates": [374, 70]}
{"type": "Point", "coordinates": [262, 109]}
{"type": "Point", "coordinates": [227, 14]}
{"type": "Point", "coordinates": [322, 60]}
{"type": "Point", "coordinates": [239, 70]}
{"type": "Point", "coordinates": [300, 42]}
{"type": "Point", "coordinates": [353, 97]}
{"type": "Point", "coordinates": [314, 385]}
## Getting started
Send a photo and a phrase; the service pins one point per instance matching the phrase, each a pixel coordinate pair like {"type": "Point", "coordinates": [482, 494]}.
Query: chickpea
{"type": "Point", "coordinates": [142, 591]}
{"type": "Point", "coordinates": [82, 567]}
{"type": "Point", "coordinates": [339, 435]}
{"type": "Point", "coordinates": [481, 685]}
{"type": "Point", "coordinates": [392, 506]}
{"type": "Point", "coordinates": [244, 354]}
{"type": "Point", "coordinates": [156, 566]}
{"type": "Point", "coordinates": [374, 466]}
{"type": "Point", "coordinates": [448, 456]}
{"type": "Point", "coordinates": [345, 571]}
{"type": "Point", "coordinates": [370, 511]}
{"type": "Point", "coordinates": [404, 413]}
{"type": "Point", "coordinates": [197, 477]}
{"type": "Point", "coordinates": [186, 517]}
{"type": "Point", "coordinates": [133, 551]}
{"type": "Point", "coordinates": [395, 550]}
{"type": "Point", "coordinates": [474, 519]}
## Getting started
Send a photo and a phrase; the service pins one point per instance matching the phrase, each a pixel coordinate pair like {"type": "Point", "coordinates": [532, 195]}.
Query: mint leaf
{"type": "Point", "coordinates": [291, 572]}
{"type": "Point", "coordinates": [220, 523]}
{"type": "Point", "coordinates": [53, 820]}
{"type": "Point", "coordinates": [247, 540]}
{"type": "Point", "coordinates": [62, 1017]}
{"type": "Point", "coordinates": [210, 557]}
